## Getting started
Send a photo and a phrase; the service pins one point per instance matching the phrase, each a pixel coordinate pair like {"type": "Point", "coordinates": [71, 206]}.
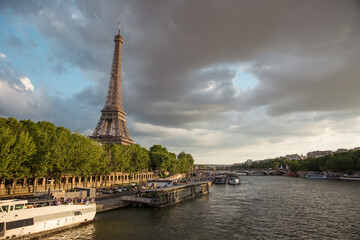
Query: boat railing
{"type": "Point", "coordinates": [60, 202]}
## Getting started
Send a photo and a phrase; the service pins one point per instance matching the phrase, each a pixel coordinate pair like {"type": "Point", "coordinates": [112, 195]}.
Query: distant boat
{"type": "Point", "coordinates": [220, 179]}
{"type": "Point", "coordinates": [234, 180]}
{"type": "Point", "coordinates": [316, 176]}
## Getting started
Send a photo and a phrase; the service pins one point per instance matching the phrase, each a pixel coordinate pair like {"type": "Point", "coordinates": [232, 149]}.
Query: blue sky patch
{"type": "Point", "coordinates": [244, 80]}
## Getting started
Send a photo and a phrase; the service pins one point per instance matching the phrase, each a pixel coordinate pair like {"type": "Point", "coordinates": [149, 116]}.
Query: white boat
{"type": "Point", "coordinates": [234, 180]}
{"type": "Point", "coordinates": [316, 176]}
{"type": "Point", "coordinates": [20, 218]}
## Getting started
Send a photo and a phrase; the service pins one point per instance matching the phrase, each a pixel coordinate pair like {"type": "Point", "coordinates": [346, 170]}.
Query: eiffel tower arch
{"type": "Point", "coordinates": [112, 127]}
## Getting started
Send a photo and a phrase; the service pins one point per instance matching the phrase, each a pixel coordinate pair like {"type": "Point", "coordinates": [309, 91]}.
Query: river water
{"type": "Point", "coordinates": [262, 207]}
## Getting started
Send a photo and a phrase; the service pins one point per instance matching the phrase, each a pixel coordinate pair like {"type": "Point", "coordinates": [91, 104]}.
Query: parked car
{"type": "Point", "coordinates": [117, 190]}
{"type": "Point", "coordinates": [107, 191]}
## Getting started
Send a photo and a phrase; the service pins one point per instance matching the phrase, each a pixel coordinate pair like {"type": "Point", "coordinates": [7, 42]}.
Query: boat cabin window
{"type": "Point", "coordinates": [11, 208]}
{"type": "Point", "coordinates": [19, 206]}
{"type": "Point", "coordinates": [5, 208]}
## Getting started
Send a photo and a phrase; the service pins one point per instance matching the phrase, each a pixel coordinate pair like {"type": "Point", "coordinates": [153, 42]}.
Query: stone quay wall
{"type": "Point", "coordinates": [31, 185]}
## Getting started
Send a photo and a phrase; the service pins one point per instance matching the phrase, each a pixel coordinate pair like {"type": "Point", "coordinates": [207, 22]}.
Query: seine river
{"type": "Point", "coordinates": [262, 207]}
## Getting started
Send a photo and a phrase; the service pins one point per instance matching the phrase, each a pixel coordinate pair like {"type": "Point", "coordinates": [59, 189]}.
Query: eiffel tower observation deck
{"type": "Point", "coordinates": [112, 127]}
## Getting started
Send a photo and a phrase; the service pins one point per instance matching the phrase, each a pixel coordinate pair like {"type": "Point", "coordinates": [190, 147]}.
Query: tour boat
{"type": "Point", "coordinates": [316, 176]}
{"type": "Point", "coordinates": [234, 180]}
{"type": "Point", "coordinates": [20, 218]}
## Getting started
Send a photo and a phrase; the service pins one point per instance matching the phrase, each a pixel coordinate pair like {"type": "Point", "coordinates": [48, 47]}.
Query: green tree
{"type": "Point", "coordinates": [40, 162]}
{"type": "Point", "coordinates": [186, 162]}
{"type": "Point", "coordinates": [7, 141]}
{"type": "Point", "coordinates": [62, 152]}
{"type": "Point", "coordinates": [159, 159]}
{"type": "Point", "coordinates": [294, 166]}
{"type": "Point", "coordinates": [22, 151]}
{"type": "Point", "coordinates": [330, 163]}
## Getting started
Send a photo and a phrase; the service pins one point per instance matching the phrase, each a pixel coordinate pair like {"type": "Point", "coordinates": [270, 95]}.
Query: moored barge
{"type": "Point", "coordinates": [162, 197]}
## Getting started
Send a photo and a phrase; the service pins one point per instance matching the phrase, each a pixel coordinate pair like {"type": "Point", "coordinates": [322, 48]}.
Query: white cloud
{"type": "Point", "coordinates": [27, 83]}
{"type": "Point", "coordinates": [3, 57]}
{"type": "Point", "coordinates": [20, 103]}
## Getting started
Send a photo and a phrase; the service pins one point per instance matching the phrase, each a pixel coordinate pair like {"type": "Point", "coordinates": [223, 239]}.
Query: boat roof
{"type": "Point", "coordinates": [16, 201]}
{"type": "Point", "coordinates": [174, 187]}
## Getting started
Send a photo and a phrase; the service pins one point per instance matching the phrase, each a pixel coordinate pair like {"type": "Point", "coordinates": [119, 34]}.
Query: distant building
{"type": "Point", "coordinates": [293, 157]}
{"type": "Point", "coordinates": [356, 149]}
{"type": "Point", "coordinates": [340, 150]}
{"type": "Point", "coordinates": [317, 154]}
{"type": "Point", "coordinates": [249, 161]}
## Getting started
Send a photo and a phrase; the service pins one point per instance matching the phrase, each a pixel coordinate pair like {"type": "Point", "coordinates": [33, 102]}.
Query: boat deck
{"type": "Point", "coordinates": [162, 197]}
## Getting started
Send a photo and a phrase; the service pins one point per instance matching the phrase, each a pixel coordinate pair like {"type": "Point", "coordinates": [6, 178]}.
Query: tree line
{"type": "Point", "coordinates": [338, 162]}
{"type": "Point", "coordinates": [33, 150]}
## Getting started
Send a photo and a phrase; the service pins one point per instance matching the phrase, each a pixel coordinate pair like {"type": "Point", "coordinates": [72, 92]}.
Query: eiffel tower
{"type": "Point", "coordinates": [112, 127]}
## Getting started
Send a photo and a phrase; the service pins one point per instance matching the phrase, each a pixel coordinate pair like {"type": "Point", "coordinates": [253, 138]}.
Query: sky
{"type": "Point", "coordinates": [226, 80]}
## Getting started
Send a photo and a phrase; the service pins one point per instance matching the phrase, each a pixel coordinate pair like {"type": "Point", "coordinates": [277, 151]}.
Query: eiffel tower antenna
{"type": "Point", "coordinates": [112, 127]}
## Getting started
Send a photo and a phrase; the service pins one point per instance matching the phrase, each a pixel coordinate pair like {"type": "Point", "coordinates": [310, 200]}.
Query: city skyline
{"type": "Point", "coordinates": [225, 81]}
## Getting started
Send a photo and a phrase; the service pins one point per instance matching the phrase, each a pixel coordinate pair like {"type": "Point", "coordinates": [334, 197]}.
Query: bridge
{"type": "Point", "coordinates": [249, 172]}
{"type": "Point", "coordinates": [253, 172]}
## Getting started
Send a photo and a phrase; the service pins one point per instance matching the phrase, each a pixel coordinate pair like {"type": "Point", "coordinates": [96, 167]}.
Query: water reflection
{"type": "Point", "coordinates": [82, 232]}
{"type": "Point", "coordinates": [263, 207]}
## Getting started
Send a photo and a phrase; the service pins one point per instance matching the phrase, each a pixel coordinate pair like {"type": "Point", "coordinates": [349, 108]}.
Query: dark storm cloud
{"type": "Point", "coordinates": [92, 96]}
{"type": "Point", "coordinates": [304, 54]}
{"type": "Point", "coordinates": [179, 60]}
{"type": "Point", "coordinates": [167, 44]}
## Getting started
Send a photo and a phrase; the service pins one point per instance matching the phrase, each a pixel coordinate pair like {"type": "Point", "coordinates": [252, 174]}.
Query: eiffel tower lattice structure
{"type": "Point", "coordinates": [112, 127]}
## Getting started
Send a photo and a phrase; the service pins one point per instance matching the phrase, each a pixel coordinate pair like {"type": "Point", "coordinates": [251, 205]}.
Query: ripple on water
{"type": "Point", "coordinates": [262, 207]}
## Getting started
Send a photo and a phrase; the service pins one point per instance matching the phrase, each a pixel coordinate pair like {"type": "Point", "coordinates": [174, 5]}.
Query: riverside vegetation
{"type": "Point", "coordinates": [32, 150]}
{"type": "Point", "coordinates": [347, 162]}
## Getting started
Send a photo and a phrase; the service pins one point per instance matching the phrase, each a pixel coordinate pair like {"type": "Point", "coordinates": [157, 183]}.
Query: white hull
{"type": "Point", "coordinates": [234, 181]}
{"type": "Point", "coordinates": [23, 222]}
{"type": "Point", "coordinates": [316, 176]}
